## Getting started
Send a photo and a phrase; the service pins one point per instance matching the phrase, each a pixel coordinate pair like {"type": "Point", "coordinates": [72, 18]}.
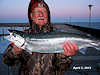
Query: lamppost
{"type": "Point", "coordinates": [90, 9]}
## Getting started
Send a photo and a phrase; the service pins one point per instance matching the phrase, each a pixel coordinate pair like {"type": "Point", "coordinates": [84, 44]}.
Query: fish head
{"type": "Point", "coordinates": [16, 38]}
{"type": "Point", "coordinates": [15, 32]}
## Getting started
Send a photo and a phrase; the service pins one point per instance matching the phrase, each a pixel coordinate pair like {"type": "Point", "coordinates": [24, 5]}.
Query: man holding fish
{"type": "Point", "coordinates": [40, 63]}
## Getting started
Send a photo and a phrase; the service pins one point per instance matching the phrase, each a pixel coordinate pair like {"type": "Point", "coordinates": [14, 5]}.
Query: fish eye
{"type": "Point", "coordinates": [14, 35]}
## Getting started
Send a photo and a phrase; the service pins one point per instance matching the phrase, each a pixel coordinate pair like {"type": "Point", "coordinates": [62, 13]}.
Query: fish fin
{"type": "Point", "coordinates": [83, 50]}
{"type": "Point", "coordinates": [96, 45]}
{"type": "Point", "coordinates": [30, 52]}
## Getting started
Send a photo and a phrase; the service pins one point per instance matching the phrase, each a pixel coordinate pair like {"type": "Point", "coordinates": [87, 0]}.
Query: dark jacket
{"type": "Point", "coordinates": [37, 63]}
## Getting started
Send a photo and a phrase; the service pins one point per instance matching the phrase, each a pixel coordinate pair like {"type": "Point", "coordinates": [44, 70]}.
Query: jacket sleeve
{"type": "Point", "coordinates": [63, 62]}
{"type": "Point", "coordinates": [11, 59]}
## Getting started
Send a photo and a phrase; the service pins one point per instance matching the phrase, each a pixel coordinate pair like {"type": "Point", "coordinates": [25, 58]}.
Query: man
{"type": "Point", "coordinates": [40, 63]}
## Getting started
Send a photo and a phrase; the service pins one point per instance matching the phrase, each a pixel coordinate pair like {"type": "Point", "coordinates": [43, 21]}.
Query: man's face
{"type": "Point", "coordinates": [40, 16]}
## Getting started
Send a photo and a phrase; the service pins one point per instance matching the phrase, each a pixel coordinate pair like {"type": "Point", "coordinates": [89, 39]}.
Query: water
{"type": "Point", "coordinates": [3, 44]}
{"type": "Point", "coordinates": [94, 25]}
{"type": "Point", "coordinates": [5, 29]}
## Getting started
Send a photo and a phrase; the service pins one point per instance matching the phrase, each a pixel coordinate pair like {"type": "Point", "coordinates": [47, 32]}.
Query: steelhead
{"type": "Point", "coordinates": [50, 42]}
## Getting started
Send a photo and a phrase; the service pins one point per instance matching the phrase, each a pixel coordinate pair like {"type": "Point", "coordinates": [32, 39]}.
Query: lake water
{"type": "Point", "coordinates": [94, 25]}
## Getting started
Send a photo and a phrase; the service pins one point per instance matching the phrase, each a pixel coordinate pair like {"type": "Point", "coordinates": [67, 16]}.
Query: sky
{"type": "Point", "coordinates": [15, 11]}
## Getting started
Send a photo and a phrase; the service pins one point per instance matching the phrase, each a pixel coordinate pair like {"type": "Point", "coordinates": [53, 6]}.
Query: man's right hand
{"type": "Point", "coordinates": [16, 50]}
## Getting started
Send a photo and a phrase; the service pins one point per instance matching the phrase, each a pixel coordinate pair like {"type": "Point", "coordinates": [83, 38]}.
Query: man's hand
{"type": "Point", "coordinates": [16, 50]}
{"type": "Point", "coordinates": [70, 48]}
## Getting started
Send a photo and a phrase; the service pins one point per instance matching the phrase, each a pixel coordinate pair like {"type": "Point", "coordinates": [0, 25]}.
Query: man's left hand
{"type": "Point", "coordinates": [70, 48]}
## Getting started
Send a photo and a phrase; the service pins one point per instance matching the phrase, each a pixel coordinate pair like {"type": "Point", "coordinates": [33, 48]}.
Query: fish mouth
{"type": "Point", "coordinates": [13, 31]}
{"type": "Point", "coordinates": [10, 30]}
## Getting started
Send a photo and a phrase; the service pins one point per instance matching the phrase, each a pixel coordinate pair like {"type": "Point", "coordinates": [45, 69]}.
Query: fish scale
{"type": "Point", "coordinates": [51, 42]}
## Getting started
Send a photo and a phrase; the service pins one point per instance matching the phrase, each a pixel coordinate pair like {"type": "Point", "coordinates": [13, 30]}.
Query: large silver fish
{"type": "Point", "coordinates": [50, 42]}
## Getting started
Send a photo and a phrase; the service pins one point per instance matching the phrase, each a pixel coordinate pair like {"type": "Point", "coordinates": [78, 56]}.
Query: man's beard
{"type": "Point", "coordinates": [35, 28]}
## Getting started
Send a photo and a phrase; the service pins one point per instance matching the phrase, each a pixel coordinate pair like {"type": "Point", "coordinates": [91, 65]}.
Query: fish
{"type": "Point", "coordinates": [50, 42]}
